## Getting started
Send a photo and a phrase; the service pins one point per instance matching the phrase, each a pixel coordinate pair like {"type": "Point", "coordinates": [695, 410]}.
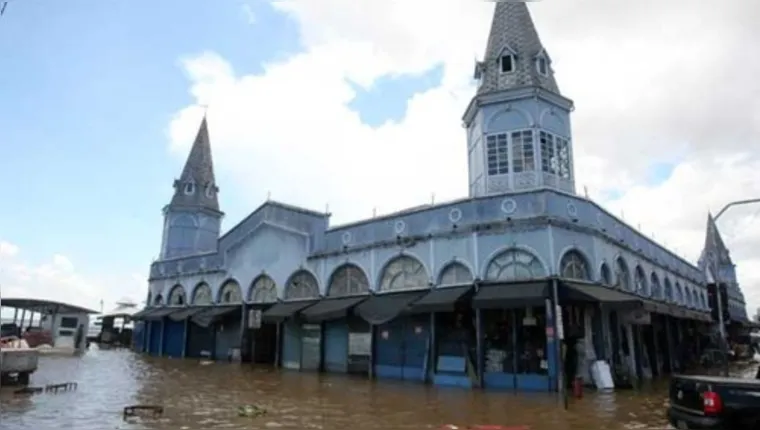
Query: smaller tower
{"type": "Point", "coordinates": [715, 262]}
{"type": "Point", "coordinates": [192, 220]}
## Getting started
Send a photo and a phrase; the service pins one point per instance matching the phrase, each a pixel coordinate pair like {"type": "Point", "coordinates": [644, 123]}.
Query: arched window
{"type": "Point", "coordinates": [573, 266]}
{"type": "Point", "coordinates": [455, 274]}
{"type": "Point", "coordinates": [230, 293]}
{"type": "Point", "coordinates": [704, 300]}
{"type": "Point", "coordinates": [348, 280]}
{"type": "Point", "coordinates": [301, 285]}
{"type": "Point", "coordinates": [622, 275]}
{"type": "Point", "coordinates": [263, 290]}
{"type": "Point", "coordinates": [640, 282]}
{"type": "Point", "coordinates": [202, 294]}
{"type": "Point", "coordinates": [689, 301]}
{"type": "Point", "coordinates": [655, 284]}
{"type": "Point", "coordinates": [159, 300]}
{"type": "Point", "coordinates": [404, 273]}
{"type": "Point", "coordinates": [515, 265]}
{"type": "Point", "coordinates": [679, 294]}
{"type": "Point", "coordinates": [605, 275]}
{"type": "Point", "coordinates": [177, 296]}
{"type": "Point", "coordinates": [668, 290]}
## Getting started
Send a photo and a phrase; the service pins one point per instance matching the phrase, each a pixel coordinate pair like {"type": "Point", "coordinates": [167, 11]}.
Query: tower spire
{"type": "Point", "coordinates": [514, 55]}
{"type": "Point", "coordinates": [196, 186]}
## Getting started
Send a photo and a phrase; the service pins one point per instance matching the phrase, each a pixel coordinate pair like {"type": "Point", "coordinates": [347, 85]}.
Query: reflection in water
{"type": "Point", "coordinates": [198, 396]}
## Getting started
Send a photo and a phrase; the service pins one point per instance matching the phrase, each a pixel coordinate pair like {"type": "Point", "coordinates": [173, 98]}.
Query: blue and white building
{"type": "Point", "coordinates": [478, 292]}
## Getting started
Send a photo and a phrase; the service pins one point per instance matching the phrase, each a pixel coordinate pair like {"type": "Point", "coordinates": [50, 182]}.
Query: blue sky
{"type": "Point", "coordinates": [87, 91]}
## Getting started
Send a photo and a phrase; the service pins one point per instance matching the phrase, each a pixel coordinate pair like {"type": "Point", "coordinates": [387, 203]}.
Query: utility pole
{"type": "Point", "coordinates": [719, 288]}
{"type": "Point", "coordinates": [722, 327]}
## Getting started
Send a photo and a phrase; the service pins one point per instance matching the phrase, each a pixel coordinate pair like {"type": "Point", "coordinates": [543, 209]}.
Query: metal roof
{"type": "Point", "coordinates": [43, 306]}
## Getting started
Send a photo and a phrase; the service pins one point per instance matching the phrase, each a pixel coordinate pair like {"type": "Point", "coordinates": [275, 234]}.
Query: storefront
{"type": "Point", "coordinates": [401, 342]}
{"type": "Point", "coordinates": [297, 338]}
{"type": "Point", "coordinates": [346, 338]}
{"type": "Point", "coordinates": [514, 325]}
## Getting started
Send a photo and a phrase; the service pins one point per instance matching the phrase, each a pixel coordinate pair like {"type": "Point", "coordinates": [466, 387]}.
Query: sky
{"type": "Point", "coordinates": [355, 105]}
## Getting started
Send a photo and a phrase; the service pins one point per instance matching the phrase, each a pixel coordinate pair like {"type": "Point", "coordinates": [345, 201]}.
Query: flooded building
{"type": "Point", "coordinates": [478, 292]}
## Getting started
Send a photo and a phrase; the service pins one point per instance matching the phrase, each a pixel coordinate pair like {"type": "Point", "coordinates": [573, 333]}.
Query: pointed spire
{"type": "Point", "coordinates": [715, 253]}
{"type": "Point", "coordinates": [713, 239]}
{"type": "Point", "coordinates": [513, 33]}
{"type": "Point", "coordinates": [196, 185]}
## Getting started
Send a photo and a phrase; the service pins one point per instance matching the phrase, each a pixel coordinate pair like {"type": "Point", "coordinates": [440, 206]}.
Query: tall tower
{"type": "Point", "coordinates": [715, 261]}
{"type": "Point", "coordinates": [192, 220]}
{"type": "Point", "coordinates": [518, 124]}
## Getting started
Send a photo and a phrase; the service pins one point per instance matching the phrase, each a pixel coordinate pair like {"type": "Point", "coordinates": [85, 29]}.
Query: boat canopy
{"type": "Point", "coordinates": [45, 307]}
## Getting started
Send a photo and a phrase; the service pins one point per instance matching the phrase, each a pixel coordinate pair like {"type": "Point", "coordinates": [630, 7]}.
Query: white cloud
{"type": "Point", "coordinates": [8, 249]}
{"type": "Point", "coordinates": [58, 279]}
{"type": "Point", "coordinates": [653, 82]}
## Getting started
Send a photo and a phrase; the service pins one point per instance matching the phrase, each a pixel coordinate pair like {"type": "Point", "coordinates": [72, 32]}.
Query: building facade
{"type": "Point", "coordinates": [478, 292]}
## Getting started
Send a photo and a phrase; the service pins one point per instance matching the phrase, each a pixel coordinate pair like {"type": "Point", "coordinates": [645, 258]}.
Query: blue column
{"type": "Point", "coordinates": [480, 359]}
{"type": "Point", "coordinates": [433, 350]}
{"type": "Point", "coordinates": [161, 338]}
{"type": "Point", "coordinates": [606, 335]}
{"type": "Point", "coordinates": [670, 341]}
{"type": "Point", "coordinates": [278, 345]}
{"type": "Point", "coordinates": [372, 351]}
{"type": "Point", "coordinates": [146, 336]}
{"type": "Point", "coordinates": [184, 337]}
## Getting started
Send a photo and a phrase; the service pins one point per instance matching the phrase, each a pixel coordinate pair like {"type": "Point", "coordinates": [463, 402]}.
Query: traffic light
{"type": "Point", "coordinates": [712, 299]}
{"type": "Point", "coordinates": [723, 291]}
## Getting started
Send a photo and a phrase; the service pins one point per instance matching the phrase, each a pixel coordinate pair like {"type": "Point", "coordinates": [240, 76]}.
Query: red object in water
{"type": "Point", "coordinates": [578, 388]}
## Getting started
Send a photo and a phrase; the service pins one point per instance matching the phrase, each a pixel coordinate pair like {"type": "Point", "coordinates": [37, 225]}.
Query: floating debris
{"type": "Point", "coordinates": [132, 411]}
{"type": "Point", "coordinates": [251, 411]}
{"type": "Point", "coordinates": [28, 391]}
{"type": "Point", "coordinates": [66, 386]}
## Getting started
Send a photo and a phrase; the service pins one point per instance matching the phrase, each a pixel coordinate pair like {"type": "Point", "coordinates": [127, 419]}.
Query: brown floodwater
{"type": "Point", "coordinates": [204, 396]}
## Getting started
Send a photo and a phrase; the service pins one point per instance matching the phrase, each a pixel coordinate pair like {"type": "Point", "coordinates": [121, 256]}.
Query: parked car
{"type": "Point", "coordinates": [714, 403]}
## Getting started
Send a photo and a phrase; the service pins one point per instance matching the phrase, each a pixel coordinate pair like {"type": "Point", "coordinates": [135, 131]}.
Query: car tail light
{"type": "Point", "coordinates": [711, 403]}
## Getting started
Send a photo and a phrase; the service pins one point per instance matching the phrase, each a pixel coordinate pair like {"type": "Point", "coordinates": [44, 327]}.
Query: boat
{"type": "Point", "coordinates": [59, 328]}
{"type": "Point", "coordinates": [17, 361]}
{"type": "Point", "coordinates": [115, 328]}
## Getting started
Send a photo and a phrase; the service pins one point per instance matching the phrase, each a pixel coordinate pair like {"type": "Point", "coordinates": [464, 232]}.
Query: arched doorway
{"type": "Point", "coordinates": [263, 339]}
{"type": "Point", "coordinates": [347, 337]}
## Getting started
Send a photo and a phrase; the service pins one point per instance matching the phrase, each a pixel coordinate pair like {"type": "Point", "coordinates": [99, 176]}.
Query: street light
{"type": "Point", "coordinates": [736, 203]}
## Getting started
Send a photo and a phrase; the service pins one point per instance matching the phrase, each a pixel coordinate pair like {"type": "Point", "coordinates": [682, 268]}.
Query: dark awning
{"type": "Point", "coordinates": [699, 316]}
{"type": "Point", "coordinates": [510, 295]}
{"type": "Point", "coordinates": [331, 308]}
{"type": "Point", "coordinates": [284, 310]}
{"type": "Point", "coordinates": [141, 313]}
{"type": "Point", "coordinates": [210, 314]}
{"type": "Point", "coordinates": [157, 313]}
{"type": "Point", "coordinates": [441, 299]}
{"type": "Point", "coordinates": [658, 308]}
{"type": "Point", "coordinates": [218, 311]}
{"type": "Point", "coordinates": [185, 313]}
{"type": "Point", "coordinates": [580, 292]}
{"type": "Point", "coordinates": [382, 308]}
{"type": "Point", "coordinates": [259, 306]}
